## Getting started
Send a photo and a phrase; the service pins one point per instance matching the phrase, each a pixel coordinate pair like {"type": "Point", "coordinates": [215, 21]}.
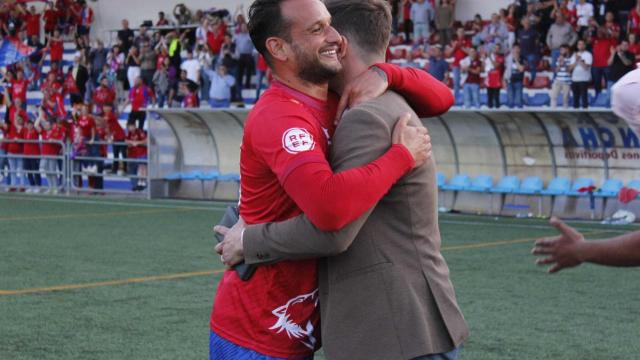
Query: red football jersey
{"type": "Point", "coordinates": [136, 152]}
{"type": "Point", "coordinates": [31, 148]}
{"type": "Point", "coordinates": [104, 96]}
{"type": "Point", "coordinates": [56, 133]}
{"type": "Point", "coordinates": [275, 312]}
{"type": "Point", "coordinates": [86, 124]}
{"type": "Point", "coordinates": [56, 49]}
{"type": "Point", "coordinates": [116, 130]}
{"type": "Point", "coordinates": [19, 89]}
{"type": "Point", "coordinates": [15, 134]}
{"type": "Point", "coordinates": [33, 24]}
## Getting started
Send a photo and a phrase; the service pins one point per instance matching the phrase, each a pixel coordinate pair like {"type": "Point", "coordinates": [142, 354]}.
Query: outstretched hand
{"type": "Point", "coordinates": [562, 251]}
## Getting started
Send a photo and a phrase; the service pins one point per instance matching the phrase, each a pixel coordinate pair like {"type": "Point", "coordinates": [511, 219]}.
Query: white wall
{"type": "Point", "coordinates": [109, 13]}
{"type": "Point", "coordinates": [467, 9]}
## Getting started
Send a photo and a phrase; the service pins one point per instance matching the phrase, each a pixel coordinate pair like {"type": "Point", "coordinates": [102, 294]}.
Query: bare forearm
{"type": "Point", "coordinates": [622, 250]}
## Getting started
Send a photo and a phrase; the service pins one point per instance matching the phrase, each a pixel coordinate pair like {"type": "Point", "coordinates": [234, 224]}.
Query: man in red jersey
{"type": "Point", "coordinates": [285, 171]}
{"type": "Point", "coordinates": [140, 96]}
{"type": "Point", "coordinates": [387, 255]}
{"type": "Point", "coordinates": [136, 140]}
{"type": "Point", "coordinates": [117, 138]}
{"type": "Point", "coordinates": [103, 95]}
{"type": "Point", "coordinates": [52, 135]}
{"type": "Point", "coordinates": [19, 87]}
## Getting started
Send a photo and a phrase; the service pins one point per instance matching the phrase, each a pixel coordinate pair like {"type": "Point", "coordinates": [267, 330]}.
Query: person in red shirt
{"type": "Point", "coordinates": [87, 126]}
{"type": "Point", "coordinates": [602, 45]}
{"type": "Point", "coordinates": [634, 46]}
{"type": "Point", "coordinates": [191, 98]}
{"type": "Point", "coordinates": [102, 136]}
{"type": "Point", "coordinates": [31, 156]}
{"type": "Point", "coordinates": [136, 140]}
{"type": "Point", "coordinates": [4, 130]}
{"type": "Point", "coordinates": [15, 135]}
{"type": "Point", "coordinates": [117, 137]}
{"type": "Point", "coordinates": [103, 95]}
{"type": "Point", "coordinates": [32, 22]}
{"type": "Point", "coordinates": [50, 134]}
{"type": "Point", "coordinates": [50, 17]}
{"type": "Point", "coordinates": [83, 15]}
{"type": "Point", "coordinates": [495, 60]}
{"type": "Point", "coordinates": [16, 109]}
{"type": "Point", "coordinates": [140, 96]}
{"type": "Point", "coordinates": [53, 104]}
{"type": "Point", "coordinates": [19, 88]}
{"type": "Point", "coordinates": [86, 123]}
{"type": "Point", "coordinates": [613, 29]}
{"type": "Point", "coordinates": [633, 24]}
{"type": "Point", "coordinates": [55, 47]}
{"type": "Point", "coordinates": [285, 172]}
{"type": "Point", "coordinates": [162, 20]}
{"type": "Point", "coordinates": [215, 37]}
{"type": "Point", "coordinates": [458, 49]}
{"type": "Point", "coordinates": [472, 66]}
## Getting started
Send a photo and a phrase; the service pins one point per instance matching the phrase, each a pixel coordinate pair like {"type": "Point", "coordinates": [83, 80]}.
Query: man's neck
{"type": "Point", "coordinates": [352, 67]}
{"type": "Point", "coordinates": [318, 91]}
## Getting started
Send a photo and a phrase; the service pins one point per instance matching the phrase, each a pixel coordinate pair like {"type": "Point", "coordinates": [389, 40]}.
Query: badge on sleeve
{"type": "Point", "coordinates": [296, 140]}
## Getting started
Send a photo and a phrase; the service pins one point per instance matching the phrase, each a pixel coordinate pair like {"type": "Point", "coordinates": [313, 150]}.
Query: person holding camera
{"type": "Point", "coordinates": [561, 78]}
{"type": "Point", "coordinates": [182, 14]}
{"type": "Point", "coordinates": [133, 62]}
{"type": "Point", "coordinates": [621, 61]}
{"type": "Point", "coordinates": [580, 67]}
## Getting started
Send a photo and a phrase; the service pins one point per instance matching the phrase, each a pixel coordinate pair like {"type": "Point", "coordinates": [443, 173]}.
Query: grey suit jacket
{"type": "Point", "coordinates": [384, 286]}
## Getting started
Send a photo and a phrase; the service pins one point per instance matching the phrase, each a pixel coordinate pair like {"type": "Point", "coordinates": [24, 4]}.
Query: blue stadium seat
{"type": "Point", "coordinates": [229, 177]}
{"type": "Point", "coordinates": [208, 176]}
{"type": "Point", "coordinates": [580, 183]}
{"type": "Point", "coordinates": [507, 184]}
{"type": "Point", "coordinates": [557, 186]}
{"type": "Point", "coordinates": [480, 183]}
{"type": "Point", "coordinates": [539, 99]}
{"type": "Point", "coordinates": [635, 184]}
{"type": "Point", "coordinates": [530, 185]}
{"type": "Point", "coordinates": [441, 179]}
{"type": "Point", "coordinates": [173, 176]}
{"type": "Point", "coordinates": [458, 182]}
{"type": "Point", "coordinates": [610, 188]}
{"type": "Point", "coordinates": [192, 175]}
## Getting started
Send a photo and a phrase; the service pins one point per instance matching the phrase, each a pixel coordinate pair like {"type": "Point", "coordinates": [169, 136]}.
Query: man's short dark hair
{"type": "Point", "coordinates": [367, 23]}
{"type": "Point", "coordinates": [265, 21]}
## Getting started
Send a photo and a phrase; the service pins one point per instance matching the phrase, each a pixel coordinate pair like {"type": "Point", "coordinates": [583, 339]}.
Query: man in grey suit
{"type": "Point", "coordinates": [385, 291]}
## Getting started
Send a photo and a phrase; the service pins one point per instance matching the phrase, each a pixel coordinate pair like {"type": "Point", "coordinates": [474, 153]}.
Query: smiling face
{"type": "Point", "coordinates": [314, 44]}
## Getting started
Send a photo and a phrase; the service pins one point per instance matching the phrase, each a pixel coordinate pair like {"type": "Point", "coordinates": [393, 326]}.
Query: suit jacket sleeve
{"type": "Point", "coordinates": [360, 138]}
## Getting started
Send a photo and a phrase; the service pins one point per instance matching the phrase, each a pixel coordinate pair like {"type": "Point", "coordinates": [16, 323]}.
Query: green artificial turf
{"type": "Point", "coordinates": [514, 309]}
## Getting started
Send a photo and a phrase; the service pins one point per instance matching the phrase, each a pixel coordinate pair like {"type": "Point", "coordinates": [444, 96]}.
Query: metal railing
{"type": "Point", "coordinates": [68, 170]}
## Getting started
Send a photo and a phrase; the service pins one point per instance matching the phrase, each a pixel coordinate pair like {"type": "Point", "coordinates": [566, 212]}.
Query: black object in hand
{"type": "Point", "coordinates": [230, 218]}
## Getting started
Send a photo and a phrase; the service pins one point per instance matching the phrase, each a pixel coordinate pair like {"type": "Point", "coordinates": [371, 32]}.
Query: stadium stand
{"type": "Point", "coordinates": [180, 66]}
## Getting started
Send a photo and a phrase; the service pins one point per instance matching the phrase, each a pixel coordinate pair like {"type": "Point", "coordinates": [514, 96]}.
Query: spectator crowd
{"type": "Point", "coordinates": [194, 57]}
{"type": "Point", "coordinates": [564, 46]}
{"type": "Point", "coordinates": [183, 60]}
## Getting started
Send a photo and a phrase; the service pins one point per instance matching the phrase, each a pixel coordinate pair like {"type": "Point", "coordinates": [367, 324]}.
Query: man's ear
{"type": "Point", "coordinates": [343, 47]}
{"type": "Point", "coordinates": [278, 48]}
